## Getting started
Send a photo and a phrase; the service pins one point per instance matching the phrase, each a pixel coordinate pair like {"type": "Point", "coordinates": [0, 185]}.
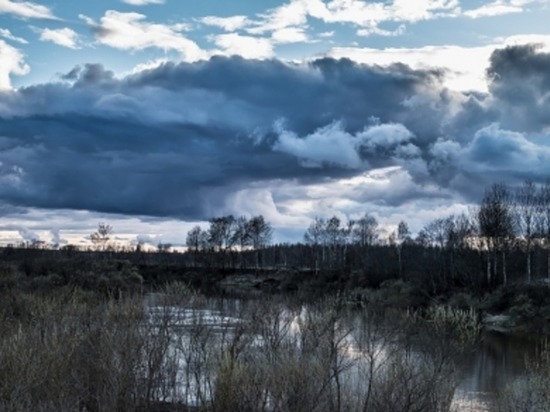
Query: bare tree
{"type": "Point", "coordinates": [259, 232]}
{"type": "Point", "coordinates": [365, 232]}
{"type": "Point", "coordinates": [316, 237]}
{"type": "Point", "coordinates": [544, 220]}
{"type": "Point", "coordinates": [101, 236]}
{"type": "Point", "coordinates": [403, 235]}
{"type": "Point", "coordinates": [164, 247]}
{"type": "Point", "coordinates": [435, 232]}
{"type": "Point", "coordinates": [221, 234]}
{"type": "Point", "coordinates": [526, 204]}
{"type": "Point", "coordinates": [194, 239]}
{"type": "Point", "coordinates": [241, 233]}
{"type": "Point", "coordinates": [496, 225]}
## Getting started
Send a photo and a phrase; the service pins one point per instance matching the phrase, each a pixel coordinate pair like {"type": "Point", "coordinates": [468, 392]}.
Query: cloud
{"type": "Point", "coordinates": [365, 15]}
{"type": "Point", "coordinates": [12, 63]}
{"type": "Point", "coordinates": [178, 139]}
{"type": "Point", "coordinates": [466, 66]}
{"type": "Point", "coordinates": [131, 31]}
{"type": "Point", "coordinates": [26, 10]}
{"type": "Point", "coordinates": [381, 32]}
{"type": "Point", "coordinates": [290, 35]}
{"type": "Point", "coordinates": [233, 44]}
{"type": "Point", "coordinates": [520, 87]}
{"type": "Point", "coordinates": [330, 145]}
{"type": "Point", "coordinates": [63, 37]}
{"type": "Point", "coordinates": [142, 2]}
{"type": "Point", "coordinates": [193, 140]}
{"type": "Point", "coordinates": [497, 8]}
{"type": "Point", "coordinates": [6, 34]}
{"type": "Point", "coordinates": [230, 24]}
{"type": "Point", "coordinates": [28, 235]}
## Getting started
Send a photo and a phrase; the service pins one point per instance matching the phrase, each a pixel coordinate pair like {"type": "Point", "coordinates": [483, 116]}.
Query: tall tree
{"type": "Point", "coordinates": [403, 235]}
{"type": "Point", "coordinates": [241, 233]}
{"type": "Point", "coordinates": [526, 204]}
{"type": "Point", "coordinates": [365, 231]}
{"type": "Point", "coordinates": [459, 231]}
{"type": "Point", "coordinates": [194, 239]}
{"type": "Point", "coordinates": [259, 233]}
{"type": "Point", "coordinates": [496, 225]}
{"type": "Point", "coordinates": [221, 235]}
{"type": "Point", "coordinates": [544, 220]}
{"type": "Point", "coordinates": [315, 236]}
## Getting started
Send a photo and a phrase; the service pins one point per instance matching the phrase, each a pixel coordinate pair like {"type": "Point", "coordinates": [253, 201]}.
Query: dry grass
{"type": "Point", "coordinates": [71, 351]}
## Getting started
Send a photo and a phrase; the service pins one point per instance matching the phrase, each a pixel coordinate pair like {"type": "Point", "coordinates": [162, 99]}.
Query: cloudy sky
{"type": "Point", "coordinates": [156, 115]}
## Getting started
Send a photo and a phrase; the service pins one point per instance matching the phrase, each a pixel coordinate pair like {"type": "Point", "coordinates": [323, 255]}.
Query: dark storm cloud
{"type": "Point", "coordinates": [520, 86]}
{"type": "Point", "coordinates": [179, 139]}
{"type": "Point", "coordinates": [502, 136]}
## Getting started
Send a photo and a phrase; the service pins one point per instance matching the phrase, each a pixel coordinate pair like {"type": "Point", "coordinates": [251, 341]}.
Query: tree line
{"type": "Point", "coordinates": [506, 237]}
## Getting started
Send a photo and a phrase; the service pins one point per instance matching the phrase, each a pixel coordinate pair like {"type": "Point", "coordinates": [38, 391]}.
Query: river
{"type": "Point", "coordinates": [496, 361]}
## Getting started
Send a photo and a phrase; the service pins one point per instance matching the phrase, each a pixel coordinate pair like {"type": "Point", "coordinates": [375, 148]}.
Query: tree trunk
{"type": "Point", "coordinates": [400, 262]}
{"type": "Point", "coordinates": [504, 274]}
{"type": "Point", "coordinates": [529, 274]}
{"type": "Point", "coordinates": [489, 269]}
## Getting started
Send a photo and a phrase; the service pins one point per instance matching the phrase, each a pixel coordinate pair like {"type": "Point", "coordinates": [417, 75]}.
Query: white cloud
{"type": "Point", "coordinates": [6, 34]}
{"type": "Point", "coordinates": [231, 24]}
{"type": "Point", "coordinates": [288, 15]}
{"type": "Point", "coordinates": [26, 10]}
{"type": "Point", "coordinates": [498, 7]}
{"type": "Point", "coordinates": [142, 2]}
{"type": "Point", "coordinates": [246, 46]}
{"type": "Point", "coordinates": [367, 15]}
{"type": "Point", "coordinates": [75, 227]}
{"type": "Point", "coordinates": [333, 145]}
{"type": "Point", "coordinates": [382, 192]}
{"type": "Point", "coordinates": [539, 39]}
{"type": "Point", "coordinates": [329, 145]}
{"type": "Point", "coordinates": [381, 32]}
{"type": "Point", "coordinates": [384, 136]}
{"type": "Point", "coordinates": [12, 63]}
{"type": "Point", "coordinates": [130, 31]}
{"type": "Point", "coordinates": [493, 9]}
{"type": "Point", "coordinates": [290, 35]}
{"type": "Point", "coordinates": [327, 34]}
{"type": "Point", "coordinates": [63, 37]}
{"type": "Point", "coordinates": [412, 11]}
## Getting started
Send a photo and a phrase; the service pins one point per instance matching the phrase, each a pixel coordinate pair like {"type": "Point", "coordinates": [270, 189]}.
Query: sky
{"type": "Point", "coordinates": [157, 115]}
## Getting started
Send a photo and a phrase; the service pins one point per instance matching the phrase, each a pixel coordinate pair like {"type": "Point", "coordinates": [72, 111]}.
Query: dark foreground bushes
{"type": "Point", "coordinates": [74, 350]}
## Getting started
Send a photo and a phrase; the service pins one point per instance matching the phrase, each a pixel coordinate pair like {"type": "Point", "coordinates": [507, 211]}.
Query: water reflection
{"type": "Point", "coordinates": [497, 361]}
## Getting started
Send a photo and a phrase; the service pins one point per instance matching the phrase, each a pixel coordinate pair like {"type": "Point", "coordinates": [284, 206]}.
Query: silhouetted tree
{"type": "Point", "coordinates": [365, 231]}
{"type": "Point", "coordinates": [403, 235]}
{"type": "Point", "coordinates": [544, 221]}
{"type": "Point", "coordinates": [496, 225]}
{"type": "Point", "coordinates": [101, 236]}
{"type": "Point", "coordinates": [259, 234]}
{"type": "Point", "coordinates": [195, 239]}
{"type": "Point", "coordinates": [221, 235]}
{"type": "Point", "coordinates": [526, 204]}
